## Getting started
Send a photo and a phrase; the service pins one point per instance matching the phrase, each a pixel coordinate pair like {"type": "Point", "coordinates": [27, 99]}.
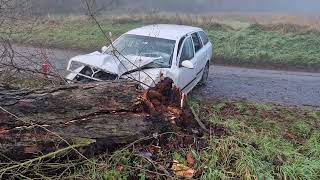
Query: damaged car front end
{"type": "Point", "coordinates": [139, 58]}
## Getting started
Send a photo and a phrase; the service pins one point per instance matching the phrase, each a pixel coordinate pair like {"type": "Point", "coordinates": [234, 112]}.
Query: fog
{"type": "Point", "coordinates": [199, 6]}
{"type": "Point", "coordinates": [42, 7]}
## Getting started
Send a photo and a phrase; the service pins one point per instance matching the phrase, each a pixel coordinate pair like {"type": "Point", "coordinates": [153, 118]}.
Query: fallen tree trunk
{"type": "Point", "coordinates": [108, 113]}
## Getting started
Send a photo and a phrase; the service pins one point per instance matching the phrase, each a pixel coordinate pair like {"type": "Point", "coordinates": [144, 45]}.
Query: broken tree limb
{"type": "Point", "coordinates": [108, 113]}
{"type": "Point", "coordinates": [196, 117]}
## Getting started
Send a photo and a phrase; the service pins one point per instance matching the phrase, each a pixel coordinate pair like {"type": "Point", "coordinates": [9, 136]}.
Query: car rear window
{"type": "Point", "coordinates": [196, 41]}
{"type": "Point", "coordinates": [204, 37]}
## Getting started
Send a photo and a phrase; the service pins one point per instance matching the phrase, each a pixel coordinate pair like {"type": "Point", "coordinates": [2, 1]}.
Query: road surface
{"type": "Point", "coordinates": [280, 87]}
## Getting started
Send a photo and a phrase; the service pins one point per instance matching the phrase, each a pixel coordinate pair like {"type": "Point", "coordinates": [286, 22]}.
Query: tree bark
{"type": "Point", "coordinates": [110, 113]}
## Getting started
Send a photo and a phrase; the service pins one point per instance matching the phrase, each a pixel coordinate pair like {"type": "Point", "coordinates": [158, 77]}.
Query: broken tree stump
{"type": "Point", "coordinates": [110, 113]}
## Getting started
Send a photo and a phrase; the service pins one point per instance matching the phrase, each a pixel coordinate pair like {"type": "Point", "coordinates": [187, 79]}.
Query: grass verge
{"type": "Point", "coordinates": [265, 142]}
{"type": "Point", "coordinates": [285, 46]}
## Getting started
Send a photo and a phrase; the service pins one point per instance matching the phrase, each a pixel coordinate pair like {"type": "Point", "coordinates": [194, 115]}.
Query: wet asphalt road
{"type": "Point", "coordinates": [279, 87]}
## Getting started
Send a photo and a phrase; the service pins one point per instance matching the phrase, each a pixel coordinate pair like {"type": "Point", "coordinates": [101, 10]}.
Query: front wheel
{"type": "Point", "coordinates": [205, 75]}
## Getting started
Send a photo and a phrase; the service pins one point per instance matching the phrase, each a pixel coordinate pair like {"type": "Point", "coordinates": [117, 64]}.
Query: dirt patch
{"type": "Point", "coordinates": [293, 138]}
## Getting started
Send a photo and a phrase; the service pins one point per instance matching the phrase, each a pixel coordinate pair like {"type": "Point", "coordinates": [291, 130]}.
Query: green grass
{"type": "Point", "coordinates": [252, 45]}
{"type": "Point", "coordinates": [236, 42]}
{"type": "Point", "coordinates": [259, 147]}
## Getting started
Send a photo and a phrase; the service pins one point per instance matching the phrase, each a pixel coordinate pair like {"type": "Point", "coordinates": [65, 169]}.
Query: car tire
{"type": "Point", "coordinates": [205, 75]}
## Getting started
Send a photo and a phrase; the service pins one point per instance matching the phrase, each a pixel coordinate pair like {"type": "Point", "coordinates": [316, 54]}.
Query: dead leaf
{"type": "Point", "coordinates": [120, 168]}
{"type": "Point", "coordinates": [154, 149]}
{"type": "Point", "coordinates": [290, 136]}
{"type": "Point", "coordinates": [182, 170]}
{"type": "Point", "coordinates": [175, 110]}
{"type": "Point", "coordinates": [3, 132]}
{"type": "Point", "coordinates": [190, 159]}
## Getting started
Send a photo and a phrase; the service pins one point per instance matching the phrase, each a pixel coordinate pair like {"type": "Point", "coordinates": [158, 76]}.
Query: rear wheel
{"type": "Point", "coordinates": [205, 75]}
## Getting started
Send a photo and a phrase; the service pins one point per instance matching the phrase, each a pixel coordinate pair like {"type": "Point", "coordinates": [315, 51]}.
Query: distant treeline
{"type": "Point", "coordinates": [43, 7]}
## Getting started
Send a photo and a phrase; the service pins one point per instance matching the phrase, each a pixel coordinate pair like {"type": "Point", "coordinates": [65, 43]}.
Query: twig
{"type": "Point", "coordinates": [140, 140]}
{"type": "Point", "coordinates": [198, 120]}
{"type": "Point", "coordinates": [92, 15]}
{"type": "Point", "coordinates": [156, 166]}
{"type": "Point", "coordinates": [52, 154]}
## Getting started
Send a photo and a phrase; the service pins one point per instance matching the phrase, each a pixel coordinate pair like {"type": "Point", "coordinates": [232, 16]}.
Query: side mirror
{"type": "Point", "coordinates": [187, 64]}
{"type": "Point", "coordinates": [104, 49]}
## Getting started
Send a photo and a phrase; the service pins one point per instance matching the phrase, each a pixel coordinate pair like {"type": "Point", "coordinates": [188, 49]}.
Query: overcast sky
{"type": "Point", "coordinates": [303, 6]}
{"type": "Point", "coordinates": [183, 6]}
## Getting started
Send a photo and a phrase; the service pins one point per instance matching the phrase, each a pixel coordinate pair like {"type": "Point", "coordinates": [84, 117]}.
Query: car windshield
{"type": "Point", "coordinates": [144, 46]}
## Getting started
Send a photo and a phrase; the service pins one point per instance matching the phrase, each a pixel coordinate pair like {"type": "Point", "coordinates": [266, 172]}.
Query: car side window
{"type": "Point", "coordinates": [187, 52]}
{"type": "Point", "coordinates": [197, 42]}
{"type": "Point", "coordinates": [204, 37]}
{"type": "Point", "coordinates": [180, 44]}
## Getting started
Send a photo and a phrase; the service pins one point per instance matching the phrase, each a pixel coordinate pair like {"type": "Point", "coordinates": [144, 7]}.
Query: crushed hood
{"type": "Point", "coordinates": [109, 63]}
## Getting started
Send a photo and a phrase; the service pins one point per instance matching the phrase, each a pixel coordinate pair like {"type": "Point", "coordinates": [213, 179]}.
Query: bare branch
{"type": "Point", "coordinates": [115, 50]}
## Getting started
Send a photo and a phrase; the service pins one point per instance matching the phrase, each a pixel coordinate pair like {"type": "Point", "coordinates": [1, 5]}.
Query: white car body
{"type": "Point", "coordinates": [190, 57]}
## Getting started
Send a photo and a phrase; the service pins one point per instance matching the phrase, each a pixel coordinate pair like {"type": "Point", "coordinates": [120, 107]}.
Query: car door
{"type": "Point", "coordinates": [207, 46]}
{"type": "Point", "coordinates": [186, 76]}
{"type": "Point", "coordinates": [200, 55]}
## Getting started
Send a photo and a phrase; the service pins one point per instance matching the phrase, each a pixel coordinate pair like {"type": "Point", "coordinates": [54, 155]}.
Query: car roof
{"type": "Point", "coordinates": [165, 31]}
